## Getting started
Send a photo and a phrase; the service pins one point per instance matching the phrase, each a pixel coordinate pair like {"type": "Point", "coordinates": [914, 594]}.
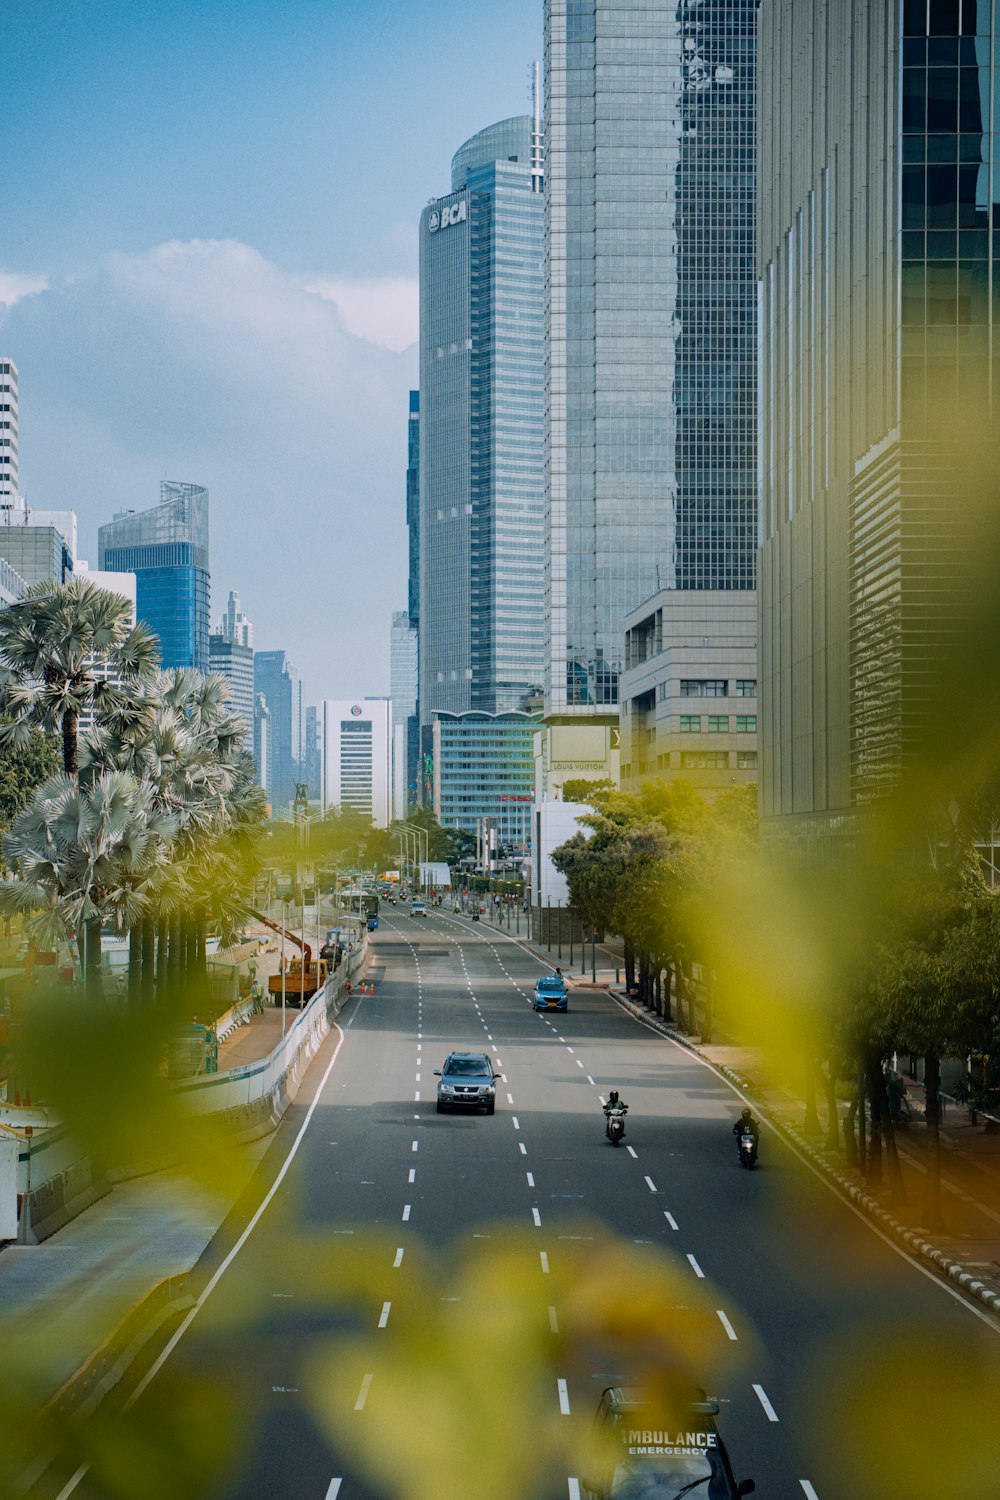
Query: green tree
{"type": "Point", "coordinates": [23, 768]}
{"type": "Point", "coordinates": [51, 642]}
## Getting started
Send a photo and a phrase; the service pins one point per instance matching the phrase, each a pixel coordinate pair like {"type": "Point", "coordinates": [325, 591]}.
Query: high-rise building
{"type": "Point", "coordinates": [276, 678]}
{"type": "Point", "coordinates": [9, 403]}
{"type": "Point", "coordinates": [39, 553]}
{"type": "Point", "coordinates": [403, 650]}
{"type": "Point", "coordinates": [480, 613]}
{"type": "Point", "coordinates": [262, 744]}
{"type": "Point", "coordinates": [357, 756]}
{"type": "Point", "coordinates": [413, 509]}
{"type": "Point", "coordinates": [651, 308]}
{"type": "Point", "coordinates": [230, 653]}
{"type": "Point", "coordinates": [125, 586]}
{"type": "Point", "coordinates": [878, 173]}
{"type": "Point", "coordinates": [312, 753]}
{"type": "Point", "coordinates": [484, 767]}
{"type": "Point", "coordinates": [167, 549]}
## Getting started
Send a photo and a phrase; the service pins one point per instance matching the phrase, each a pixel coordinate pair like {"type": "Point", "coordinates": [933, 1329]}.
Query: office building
{"type": "Point", "coordinates": [651, 308]}
{"type": "Point", "coordinates": [12, 585]}
{"type": "Point", "coordinates": [230, 654]}
{"type": "Point", "coordinates": [878, 201]}
{"type": "Point", "coordinates": [413, 510]}
{"type": "Point", "coordinates": [125, 585]}
{"type": "Point", "coordinates": [166, 547]}
{"type": "Point", "coordinates": [484, 767]}
{"type": "Point", "coordinates": [9, 436]}
{"type": "Point", "coordinates": [480, 613]}
{"type": "Point", "coordinates": [276, 678]}
{"type": "Point", "coordinates": [357, 757]}
{"type": "Point", "coordinates": [689, 689]}
{"type": "Point", "coordinates": [403, 648]}
{"type": "Point", "coordinates": [262, 744]}
{"type": "Point", "coordinates": [37, 553]}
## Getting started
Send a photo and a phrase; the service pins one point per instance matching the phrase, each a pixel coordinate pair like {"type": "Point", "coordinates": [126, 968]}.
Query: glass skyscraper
{"type": "Point", "coordinates": [652, 309]}
{"type": "Point", "coordinates": [277, 681]}
{"type": "Point", "coordinates": [482, 429]}
{"type": "Point", "coordinates": [879, 216]}
{"type": "Point", "coordinates": [167, 550]}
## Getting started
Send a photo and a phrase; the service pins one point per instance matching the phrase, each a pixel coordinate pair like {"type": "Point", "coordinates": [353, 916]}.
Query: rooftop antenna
{"type": "Point", "coordinates": [537, 167]}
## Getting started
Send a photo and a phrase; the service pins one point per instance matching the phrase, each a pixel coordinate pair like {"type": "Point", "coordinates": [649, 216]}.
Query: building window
{"type": "Point", "coordinates": [747, 760]}
{"type": "Point", "coordinates": [690, 723]}
{"type": "Point", "coordinates": [746, 687]}
{"type": "Point", "coordinates": [746, 723]}
{"type": "Point", "coordinates": [718, 723]}
{"type": "Point", "coordinates": [704, 760]}
{"type": "Point", "coordinates": [700, 687]}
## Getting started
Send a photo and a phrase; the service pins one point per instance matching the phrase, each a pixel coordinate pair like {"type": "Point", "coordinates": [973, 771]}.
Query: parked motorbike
{"type": "Point", "coordinates": [748, 1148]}
{"type": "Point", "coordinates": [615, 1128]}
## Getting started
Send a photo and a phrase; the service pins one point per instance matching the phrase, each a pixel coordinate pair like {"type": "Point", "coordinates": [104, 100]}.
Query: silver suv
{"type": "Point", "coordinates": [467, 1079]}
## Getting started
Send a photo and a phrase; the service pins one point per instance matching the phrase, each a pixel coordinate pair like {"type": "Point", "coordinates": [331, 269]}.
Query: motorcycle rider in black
{"type": "Point", "coordinates": [613, 1103]}
{"type": "Point", "coordinates": [746, 1121]}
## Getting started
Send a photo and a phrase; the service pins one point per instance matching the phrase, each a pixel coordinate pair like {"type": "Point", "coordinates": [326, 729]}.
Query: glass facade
{"type": "Point", "coordinates": [482, 431]}
{"type": "Point", "coordinates": [877, 246]}
{"type": "Point", "coordinates": [276, 679]}
{"type": "Point", "coordinates": [167, 550]}
{"type": "Point", "coordinates": [484, 767]}
{"type": "Point", "coordinates": [403, 659]}
{"type": "Point", "coordinates": [651, 343]}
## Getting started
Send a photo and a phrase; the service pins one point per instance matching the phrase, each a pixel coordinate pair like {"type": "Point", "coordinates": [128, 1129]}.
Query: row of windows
{"type": "Point", "coordinates": [718, 723]}
{"type": "Point", "coordinates": [717, 687]}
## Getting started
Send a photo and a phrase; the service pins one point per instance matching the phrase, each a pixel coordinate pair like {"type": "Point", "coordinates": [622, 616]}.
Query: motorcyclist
{"type": "Point", "coordinates": [746, 1121]}
{"type": "Point", "coordinates": [614, 1102]}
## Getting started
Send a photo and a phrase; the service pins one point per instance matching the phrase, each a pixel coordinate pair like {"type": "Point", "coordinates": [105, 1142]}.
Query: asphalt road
{"type": "Point", "coordinates": [803, 1297]}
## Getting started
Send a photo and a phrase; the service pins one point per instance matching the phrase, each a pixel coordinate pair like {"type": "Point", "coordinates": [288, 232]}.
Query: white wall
{"type": "Point", "coordinates": [552, 824]}
{"type": "Point", "coordinates": [378, 712]}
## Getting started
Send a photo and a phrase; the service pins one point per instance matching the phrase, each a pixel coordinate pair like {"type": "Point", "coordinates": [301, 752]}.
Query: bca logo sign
{"type": "Point", "coordinates": [356, 711]}
{"type": "Point", "coordinates": [456, 214]}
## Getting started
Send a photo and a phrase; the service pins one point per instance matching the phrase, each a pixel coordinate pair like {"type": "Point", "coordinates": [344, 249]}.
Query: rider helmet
{"type": "Point", "coordinates": [613, 1097]}
{"type": "Point", "coordinates": [746, 1115]}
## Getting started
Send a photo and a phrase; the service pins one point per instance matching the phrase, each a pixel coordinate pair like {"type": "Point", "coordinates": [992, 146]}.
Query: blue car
{"type": "Point", "coordinates": [373, 924]}
{"type": "Point", "coordinates": [550, 993]}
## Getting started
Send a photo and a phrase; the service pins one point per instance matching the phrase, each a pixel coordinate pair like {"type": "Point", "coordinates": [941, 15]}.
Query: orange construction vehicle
{"type": "Point", "coordinates": [303, 977]}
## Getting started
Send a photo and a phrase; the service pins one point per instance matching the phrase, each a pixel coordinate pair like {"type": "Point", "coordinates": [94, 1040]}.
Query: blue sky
{"type": "Point", "coordinates": [208, 272]}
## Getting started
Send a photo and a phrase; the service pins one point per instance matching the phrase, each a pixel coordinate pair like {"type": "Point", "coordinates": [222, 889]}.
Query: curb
{"type": "Point", "coordinates": [951, 1269]}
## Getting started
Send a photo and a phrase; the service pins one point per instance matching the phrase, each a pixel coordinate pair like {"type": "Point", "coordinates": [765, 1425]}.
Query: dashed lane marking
{"type": "Point", "coordinates": [537, 1218]}
{"type": "Point", "coordinates": [531, 1179]}
{"type": "Point", "coordinates": [522, 1148]}
{"type": "Point", "coordinates": [413, 1175]}
{"type": "Point", "coordinates": [517, 1123]}
{"type": "Point", "coordinates": [334, 1489]}
{"type": "Point", "coordinates": [415, 1146]}
{"type": "Point", "coordinates": [593, 1085]}
{"type": "Point", "coordinates": [406, 1212]}
{"type": "Point", "coordinates": [574, 1489]}
{"type": "Point", "coordinates": [384, 1314]}
{"type": "Point", "coordinates": [553, 1320]}
{"type": "Point", "coordinates": [670, 1219]}
{"type": "Point", "coordinates": [545, 1262]}
{"type": "Point", "coordinates": [366, 1386]}
{"type": "Point", "coordinates": [771, 1414]}
{"type": "Point", "coordinates": [808, 1489]}
{"type": "Point", "coordinates": [399, 1259]}
{"type": "Point", "coordinates": [650, 1184]}
{"type": "Point", "coordinates": [563, 1397]}
{"type": "Point", "coordinates": [632, 1152]}
{"type": "Point", "coordinates": [730, 1330]}
{"type": "Point", "coordinates": [696, 1268]}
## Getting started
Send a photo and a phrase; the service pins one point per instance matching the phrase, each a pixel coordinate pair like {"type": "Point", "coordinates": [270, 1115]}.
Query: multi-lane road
{"type": "Point", "coordinates": [806, 1301]}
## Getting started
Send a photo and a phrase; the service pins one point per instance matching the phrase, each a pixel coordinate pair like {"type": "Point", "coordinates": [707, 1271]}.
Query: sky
{"type": "Point", "coordinates": [208, 272]}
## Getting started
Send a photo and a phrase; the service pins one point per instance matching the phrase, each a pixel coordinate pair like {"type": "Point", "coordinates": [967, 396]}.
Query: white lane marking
{"type": "Point", "coordinates": [415, 1145]}
{"type": "Point", "coordinates": [591, 1081]}
{"type": "Point", "coordinates": [579, 1063]}
{"type": "Point", "coordinates": [807, 1487]}
{"type": "Point", "coordinates": [574, 1489]}
{"type": "Point", "coordinates": [545, 1262]}
{"type": "Point", "coordinates": [517, 1123]}
{"type": "Point", "coordinates": [399, 1259]}
{"type": "Point", "coordinates": [334, 1489]}
{"type": "Point", "coordinates": [406, 1212]}
{"type": "Point", "coordinates": [563, 1397]}
{"type": "Point", "coordinates": [670, 1219]}
{"type": "Point", "coordinates": [730, 1330]}
{"type": "Point", "coordinates": [510, 1098]}
{"type": "Point", "coordinates": [651, 1184]}
{"type": "Point", "coordinates": [569, 1049]}
{"type": "Point", "coordinates": [772, 1415]}
{"type": "Point", "coordinates": [602, 1098]}
{"type": "Point", "coordinates": [632, 1152]}
{"type": "Point", "coordinates": [531, 1179]}
{"type": "Point", "coordinates": [499, 1063]}
{"type": "Point", "coordinates": [553, 1320]}
{"type": "Point", "coordinates": [384, 1314]}
{"type": "Point", "coordinates": [537, 1218]}
{"type": "Point", "coordinates": [695, 1267]}
{"type": "Point", "coordinates": [417, 1079]}
{"type": "Point", "coordinates": [413, 1175]}
{"type": "Point", "coordinates": [366, 1385]}
{"type": "Point", "coordinates": [522, 1148]}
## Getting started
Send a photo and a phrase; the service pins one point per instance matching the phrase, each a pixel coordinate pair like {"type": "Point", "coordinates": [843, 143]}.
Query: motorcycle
{"type": "Point", "coordinates": [748, 1148]}
{"type": "Point", "coordinates": [615, 1127]}
{"type": "Point", "coordinates": [475, 915]}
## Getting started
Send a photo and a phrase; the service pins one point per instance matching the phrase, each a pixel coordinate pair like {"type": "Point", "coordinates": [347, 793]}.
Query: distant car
{"type": "Point", "coordinates": [418, 909]}
{"type": "Point", "coordinates": [372, 923]}
{"type": "Point", "coordinates": [646, 1453]}
{"type": "Point", "coordinates": [550, 993]}
{"type": "Point", "coordinates": [467, 1080]}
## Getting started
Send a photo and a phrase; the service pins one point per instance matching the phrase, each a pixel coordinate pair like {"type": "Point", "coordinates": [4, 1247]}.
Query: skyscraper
{"type": "Point", "coordinates": [276, 678]}
{"type": "Point", "coordinates": [876, 246]}
{"type": "Point", "coordinates": [357, 752]}
{"type": "Point", "coordinates": [230, 653]}
{"type": "Point", "coordinates": [413, 509]}
{"type": "Point", "coordinates": [167, 549]}
{"type": "Point", "coordinates": [9, 437]}
{"type": "Point", "coordinates": [405, 730]}
{"type": "Point", "coordinates": [651, 308]}
{"type": "Point", "coordinates": [481, 484]}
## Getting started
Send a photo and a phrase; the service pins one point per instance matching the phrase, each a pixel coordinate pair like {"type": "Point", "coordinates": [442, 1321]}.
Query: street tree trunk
{"type": "Point", "coordinates": [850, 1142]}
{"type": "Point", "coordinates": [874, 1174]}
{"type": "Point", "coordinates": [148, 961]}
{"type": "Point", "coordinates": [931, 1215]}
{"type": "Point", "coordinates": [71, 762]}
{"type": "Point", "coordinates": [832, 1126]}
{"type": "Point", "coordinates": [811, 1123]}
{"type": "Point", "coordinates": [629, 968]}
{"type": "Point", "coordinates": [881, 1095]}
{"type": "Point", "coordinates": [135, 966]}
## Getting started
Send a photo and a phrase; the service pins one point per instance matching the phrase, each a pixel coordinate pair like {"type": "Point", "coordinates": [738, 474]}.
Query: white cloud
{"type": "Point", "coordinates": [206, 362]}
{"type": "Point", "coordinates": [13, 287]}
{"type": "Point", "coordinates": [384, 310]}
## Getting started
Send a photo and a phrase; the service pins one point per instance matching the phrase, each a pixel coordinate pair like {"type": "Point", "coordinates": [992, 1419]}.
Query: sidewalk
{"type": "Point", "coordinates": [966, 1251]}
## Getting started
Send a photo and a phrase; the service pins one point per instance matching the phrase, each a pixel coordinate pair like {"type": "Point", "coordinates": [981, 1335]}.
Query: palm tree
{"type": "Point", "coordinates": [51, 641]}
{"type": "Point", "coordinates": [83, 854]}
